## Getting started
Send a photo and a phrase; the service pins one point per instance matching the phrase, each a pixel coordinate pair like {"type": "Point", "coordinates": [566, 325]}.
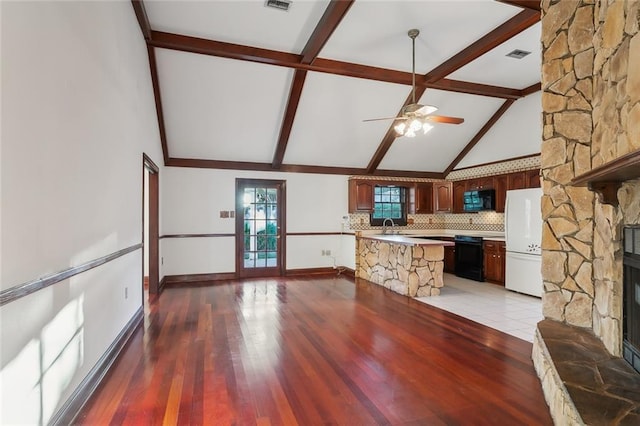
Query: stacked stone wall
{"type": "Point", "coordinates": [567, 211]}
{"type": "Point", "coordinates": [591, 116]}
{"type": "Point", "coordinates": [413, 271]}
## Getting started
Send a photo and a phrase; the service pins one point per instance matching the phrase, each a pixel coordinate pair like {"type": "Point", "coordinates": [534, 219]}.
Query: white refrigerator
{"type": "Point", "coordinates": [523, 235]}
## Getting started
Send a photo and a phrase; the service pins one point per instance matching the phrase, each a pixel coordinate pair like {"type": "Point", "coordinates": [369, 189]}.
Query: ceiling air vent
{"type": "Point", "coordinates": [518, 54]}
{"type": "Point", "coordinates": [278, 4]}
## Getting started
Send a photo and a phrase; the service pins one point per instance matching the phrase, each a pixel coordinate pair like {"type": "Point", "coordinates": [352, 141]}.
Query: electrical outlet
{"type": "Point", "coordinates": [324, 253]}
{"type": "Point", "coordinates": [328, 252]}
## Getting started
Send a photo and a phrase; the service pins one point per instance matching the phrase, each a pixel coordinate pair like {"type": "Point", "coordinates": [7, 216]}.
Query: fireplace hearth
{"type": "Point", "coordinates": [631, 297]}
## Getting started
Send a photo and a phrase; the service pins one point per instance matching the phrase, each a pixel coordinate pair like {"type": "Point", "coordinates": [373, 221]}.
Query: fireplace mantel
{"type": "Point", "coordinates": [608, 178]}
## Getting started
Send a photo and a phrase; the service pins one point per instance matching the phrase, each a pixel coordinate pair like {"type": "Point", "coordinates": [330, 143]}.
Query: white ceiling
{"type": "Point", "coordinates": [230, 110]}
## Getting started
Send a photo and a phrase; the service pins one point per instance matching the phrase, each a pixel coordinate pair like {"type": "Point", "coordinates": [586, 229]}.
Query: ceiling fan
{"type": "Point", "coordinates": [415, 117]}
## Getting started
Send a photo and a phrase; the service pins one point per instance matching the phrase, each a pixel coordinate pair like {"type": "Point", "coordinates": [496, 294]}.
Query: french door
{"type": "Point", "coordinates": [260, 230]}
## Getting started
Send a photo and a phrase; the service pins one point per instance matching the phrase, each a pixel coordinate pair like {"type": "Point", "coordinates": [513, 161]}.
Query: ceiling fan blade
{"type": "Point", "coordinates": [444, 119]}
{"type": "Point", "coordinates": [386, 118]}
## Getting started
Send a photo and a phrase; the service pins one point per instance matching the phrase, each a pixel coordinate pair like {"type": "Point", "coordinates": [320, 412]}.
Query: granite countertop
{"type": "Point", "coordinates": [407, 240]}
{"type": "Point", "coordinates": [440, 233]}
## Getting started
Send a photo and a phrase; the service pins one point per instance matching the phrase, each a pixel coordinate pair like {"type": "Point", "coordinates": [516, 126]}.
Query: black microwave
{"type": "Point", "coordinates": [482, 199]}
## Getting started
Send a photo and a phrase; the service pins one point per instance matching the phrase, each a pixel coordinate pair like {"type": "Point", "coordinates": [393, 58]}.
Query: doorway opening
{"type": "Point", "coordinates": [150, 230]}
{"type": "Point", "coordinates": [260, 227]}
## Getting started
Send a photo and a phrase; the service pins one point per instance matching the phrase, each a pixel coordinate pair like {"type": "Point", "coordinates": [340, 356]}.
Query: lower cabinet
{"type": "Point", "coordinates": [449, 257]}
{"type": "Point", "coordinates": [494, 261]}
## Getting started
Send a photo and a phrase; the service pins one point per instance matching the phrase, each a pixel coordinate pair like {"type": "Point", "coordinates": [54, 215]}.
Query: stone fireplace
{"type": "Point", "coordinates": [590, 165]}
{"type": "Point", "coordinates": [631, 297]}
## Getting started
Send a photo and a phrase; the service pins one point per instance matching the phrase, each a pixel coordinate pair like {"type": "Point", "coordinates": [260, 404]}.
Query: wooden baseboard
{"type": "Point", "coordinates": [70, 409]}
{"type": "Point", "coordinates": [194, 279]}
{"type": "Point", "coordinates": [320, 271]}
{"type": "Point", "coordinates": [171, 280]}
{"type": "Point", "coordinates": [348, 272]}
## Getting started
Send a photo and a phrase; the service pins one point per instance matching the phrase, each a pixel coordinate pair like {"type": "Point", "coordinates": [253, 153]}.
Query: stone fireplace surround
{"type": "Point", "coordinates": [591, 123]}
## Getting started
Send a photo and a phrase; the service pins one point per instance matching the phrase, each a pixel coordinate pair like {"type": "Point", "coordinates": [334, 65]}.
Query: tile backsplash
{"type": "Point", "coordinates": [481, 221]}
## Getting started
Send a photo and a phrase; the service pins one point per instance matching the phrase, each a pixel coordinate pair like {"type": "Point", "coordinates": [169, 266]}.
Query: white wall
{"type": "Point", "coordinates": [193, 198]}
{"type": "Point", "coordinates": [77, 114]}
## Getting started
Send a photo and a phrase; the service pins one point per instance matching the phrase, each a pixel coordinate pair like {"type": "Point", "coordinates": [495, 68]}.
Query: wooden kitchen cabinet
{"type": "Point", "coordinates": [458, 195]}
{"type": "Point", "coordinates": [523, 180]}
{"type": "Point", "coordinates": [360, 196]}
{"type": "Point", "coordinates": [517, 180]}
{"type": "Point", "coordinates": [424, 198]}
{"type": "Point", "coordinates": [449, 257]}
{"type": "Point", "coordinates": [442, 197]}
{"type": "Point", "coordinates": [532, 178]}
{"type": "Point", "coordinates": [500, 184]}
{"type": "Point", "coordinates": [480, 183]}
{"type": "Point", "coordinates": [494, 261]}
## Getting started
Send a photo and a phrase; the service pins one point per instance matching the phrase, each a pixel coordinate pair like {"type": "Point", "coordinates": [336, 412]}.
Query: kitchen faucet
{"type": "Point", "coordinates": [384, 225]}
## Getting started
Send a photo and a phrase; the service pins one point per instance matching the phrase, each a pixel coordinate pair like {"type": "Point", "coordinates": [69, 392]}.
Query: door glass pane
{"type": "Point", "coordinates": [260, 227]}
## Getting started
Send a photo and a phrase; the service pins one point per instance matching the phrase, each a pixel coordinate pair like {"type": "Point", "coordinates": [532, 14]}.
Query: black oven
{"type": "Point", "coordinates": [469, 257]}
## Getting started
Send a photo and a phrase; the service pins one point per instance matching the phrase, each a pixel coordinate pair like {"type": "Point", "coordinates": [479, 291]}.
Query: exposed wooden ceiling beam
{"type": "Point", "coordinates": [525, 4]}
{"type": "Point", "coordinates": [290, 114]}
{"type": "Point", "coordinates": [475, 89]}
{"type": "Point", "coordinates": [504, 32]}
{"type": "Point", "coordinates": [493, 120]}
{"type": "Point", "coordinates": [223, 49]}
{"type": "Point", "coordinates": [145, 27]}
{"type": "Point", "coordinates": [290, 60]}
{"type": "Point", "coordinates": [292, 168]}
{"type": "Point", "coordinates": [156, 94]}
{"type": "Point", "coordinates": [531, 89]}
{"type": "Point", "coordinates": [348, 69]}
{"type": "Point", "coordinates": [143, 19]}
{"type": "Point", "coordinates": [308, 61]}
{"type": "Point", "coordinates": [333, 14]}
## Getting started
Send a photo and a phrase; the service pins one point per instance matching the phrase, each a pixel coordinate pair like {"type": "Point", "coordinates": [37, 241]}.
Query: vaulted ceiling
{"type": "Point", "coordinates": [239, 85]}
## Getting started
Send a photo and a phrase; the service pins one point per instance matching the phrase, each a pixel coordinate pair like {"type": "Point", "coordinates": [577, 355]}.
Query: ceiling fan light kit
{"type": "Point", "coordinates": [415, 117]}
{"type": "Point", "coordinates": [410, 127]}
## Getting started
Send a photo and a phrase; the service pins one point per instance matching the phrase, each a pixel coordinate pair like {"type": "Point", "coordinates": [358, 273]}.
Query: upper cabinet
{"type": "Point", "coordinates": [424, 198]}
{"type": "Point", "coordinates": [360, 196]}
{"type": "Point", "coordinates": [459, 187]}
{"type": "Point", "coordinates": [480, 183]}
{"type": "Point", "coordinates": [500, 184]}
{"type": "Point", "coordinates": [523, 180]}
{"type": "Point", "coordinates": [442, 197]}
{"type": "Point", "coordinates": [533, 178]}
{"type": "Point", "coordinates": [517, 180]}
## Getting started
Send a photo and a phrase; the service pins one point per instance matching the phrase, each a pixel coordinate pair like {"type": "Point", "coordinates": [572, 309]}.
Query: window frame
{"type": "Point", "coordinates": [404, 204]}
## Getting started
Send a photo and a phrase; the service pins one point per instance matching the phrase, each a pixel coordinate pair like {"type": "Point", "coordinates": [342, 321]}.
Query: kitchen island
{"type": "Point", "coordinates": [407, 265]}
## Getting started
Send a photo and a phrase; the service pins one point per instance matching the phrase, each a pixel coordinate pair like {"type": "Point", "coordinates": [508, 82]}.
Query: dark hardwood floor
{"type": "Point", "coordinates": [316, 350]}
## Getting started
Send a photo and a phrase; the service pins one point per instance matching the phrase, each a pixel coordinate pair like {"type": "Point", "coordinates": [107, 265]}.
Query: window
{"type": "Point", "coordinates": [389, 202]}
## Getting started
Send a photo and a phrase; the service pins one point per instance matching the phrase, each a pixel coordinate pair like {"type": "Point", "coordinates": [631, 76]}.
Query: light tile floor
{"type": "Point", "coordinates": [489, 304]}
